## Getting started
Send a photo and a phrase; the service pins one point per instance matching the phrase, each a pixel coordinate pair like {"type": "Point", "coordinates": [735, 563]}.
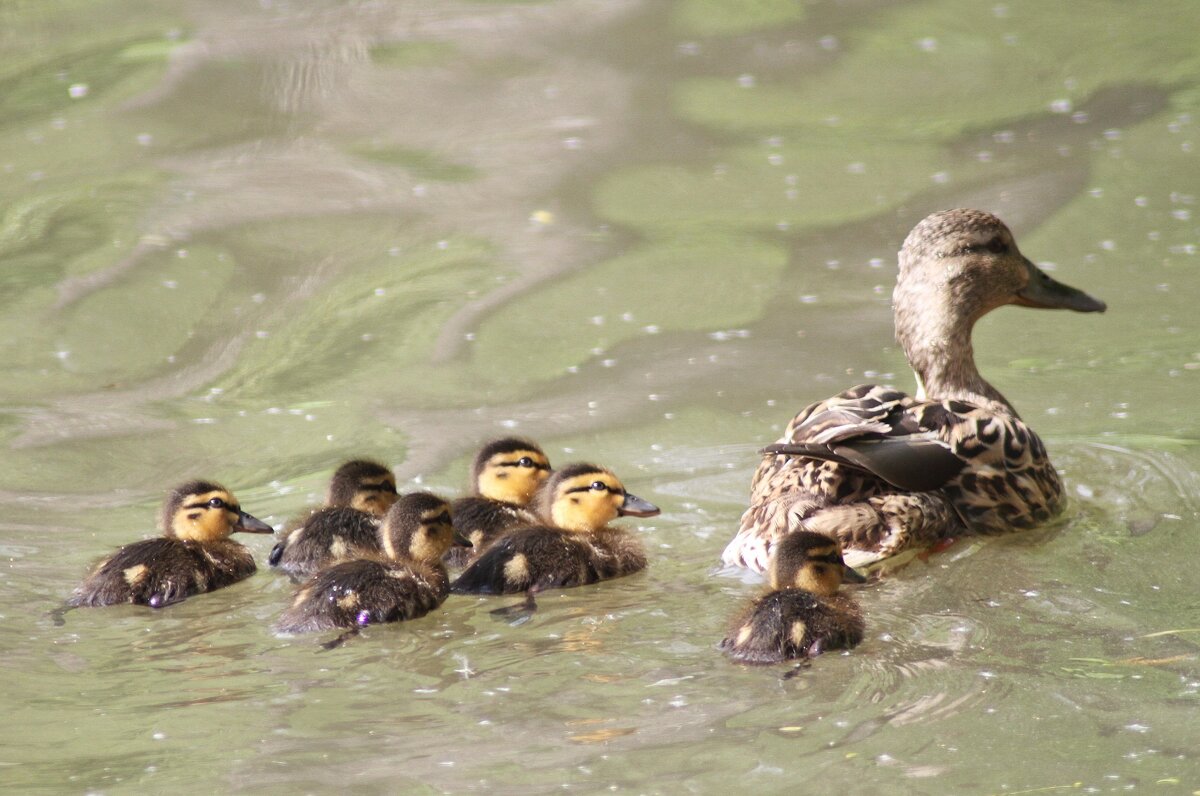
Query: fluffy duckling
{"type": "Point", "coordinates": [574, 548]}
{"type": "Point", "coordinates": [886, 472]}
{"type": "Point", "coordinates": [506, 475]}
{"type": "Point", "coordinates": [360, 492]}
{"type": "Point", "coordinates": [405, 581]}
{"type": "Point", "coordinates": [803, 615]}
{"type": "Point", "coordinates": [194, 555]}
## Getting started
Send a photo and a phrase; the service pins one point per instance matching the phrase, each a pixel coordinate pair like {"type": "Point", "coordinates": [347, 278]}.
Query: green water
{"type": "Point", "coordinates": [247, 241]}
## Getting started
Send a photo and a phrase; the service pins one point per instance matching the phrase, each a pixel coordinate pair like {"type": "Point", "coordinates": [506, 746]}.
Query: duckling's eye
{"type": "Point", "coordinates": [996, 246]}
{"type": "Point", "coordinates": [599, 486]}
{"type": "Point", "coordinates": [217, 503]}
{"type": "Point", "coordinates": [525, 461]}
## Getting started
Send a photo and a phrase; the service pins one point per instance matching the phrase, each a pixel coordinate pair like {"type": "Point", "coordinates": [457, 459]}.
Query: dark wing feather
{"type": "Point", "coordinates": [913, 463]}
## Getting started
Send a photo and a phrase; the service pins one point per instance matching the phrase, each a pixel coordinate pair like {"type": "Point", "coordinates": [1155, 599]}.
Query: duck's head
{"type": "Point", "coordinates": [969, 259]}
{"type": "Point", "coordinates": [810, 561]}
{"type": "Point", "coordinates": [955, 267]}
{"type": "Point", "coordinates": [418, 528]}
{"type": "Point", "coordinates": [203, 511]}
{"type": "Point", "coordinates": [364, 485]}
{"type": "Point", "coordinates": [510, 470]}
{"type": "Point", "coordinates": [584, 497]}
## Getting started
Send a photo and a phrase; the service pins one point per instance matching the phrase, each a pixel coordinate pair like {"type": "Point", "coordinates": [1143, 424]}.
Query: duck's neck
{"type": "Point", "coordinates": [938, 347]}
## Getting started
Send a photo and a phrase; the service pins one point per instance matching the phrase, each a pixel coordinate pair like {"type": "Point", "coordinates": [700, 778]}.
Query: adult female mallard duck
{"type": "Point", "coordinates": [506, 475]}
{"type": "Point", "coordinates": [405, 580]}
{"type": "Point", "coordinates": [194, 555]}
{"type": "Point", "coordinates": [360, 493]}
{"type": "Point", "coordinates": [883, 471]}
{"type": "Point", "coordinates": [803, 614]}
{"type": "Point", "coordinates": [575, 547]}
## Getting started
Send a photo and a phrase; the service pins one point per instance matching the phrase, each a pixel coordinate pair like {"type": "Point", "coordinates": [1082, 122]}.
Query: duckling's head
{"type": "Point", "coordinates": [364, 485]}
{"type": "Point", "coordinates": [810, 561]}
{"type": "Point", "coordinates": [417, 527]}
{"type": "Point", "coordinates": [966, 262]}
{"type": "Point", "coordinates": [584, 497]}
{"type": "Point", "coordinates": [204, 511]}
{"type": "Point", "coordinates": [510, 470]}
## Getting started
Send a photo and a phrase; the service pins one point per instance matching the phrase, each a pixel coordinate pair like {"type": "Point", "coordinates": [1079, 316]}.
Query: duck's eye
{"type": "Point", "coordinates": [599, 486]}
{"type": "Point", "coordinates": [996, 246]}
{"type": "Point", "coordinates": [217, 503]}
{"type": "Point", "coordinates": [525, 461]}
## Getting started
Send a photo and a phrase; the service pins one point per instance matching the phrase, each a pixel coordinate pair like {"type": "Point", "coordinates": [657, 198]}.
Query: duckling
{"type": "Point", "coordinates": [406, 580]}
{"type": "Point", "coordinates": [576, 546]}
{"type": "Point", "coordinates": [506, 475]}
{"type": "Point", "coordinates": [803, 614]}
{"type": "Point", "coordinates": [194, 555]}
{"type": "Point", "coordinates": [360, 492]}
{"type": "Point", "coordinates": [885, 472]}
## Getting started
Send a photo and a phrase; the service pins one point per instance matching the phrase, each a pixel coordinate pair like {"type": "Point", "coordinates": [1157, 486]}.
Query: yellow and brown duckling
{"type": "Point", "coordinates": [883, 471]}
{"type": "Point", "coordinates": [803, 614]}
{"type": "Point", "coordinates": [194, 555]}
{"type": "Point", "coordinates": [360, 493]}
{"type": "Point", "coordinates": [506, 474]}
{"type": "Point", "coordinates": [574, 546]}
{"type": "Point", "coordinates": [404, 581]}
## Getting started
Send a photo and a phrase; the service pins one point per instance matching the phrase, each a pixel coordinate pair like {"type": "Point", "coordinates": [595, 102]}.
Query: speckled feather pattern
{"type": "Point", "coordinates": [161, 571]}
{"type": "Point", "coordinates": [326, 536]}
{"type": "Point", "coordinates": [482, 521]}
{"type": "Point", "coordinates": [365, 591]}
{"type": "Point", "coordinates": [1008, 482]}
{"type": "Point", "coordinates": [787, 623]}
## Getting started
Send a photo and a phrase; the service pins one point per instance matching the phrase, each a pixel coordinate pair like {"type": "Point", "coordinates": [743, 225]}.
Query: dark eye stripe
{"type": "Point", "coordinates": [205, 505]}
{"type": "Point", "coordinates": [534, 465]}
{"type": "Point", "coordinates": [384, 487]}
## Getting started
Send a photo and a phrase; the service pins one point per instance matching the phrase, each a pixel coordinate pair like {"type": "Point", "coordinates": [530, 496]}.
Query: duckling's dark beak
{"type": "Point", "coordinates": [634, 506]}
{"type": "Point", "coordinates": [461, 541]}
{"type": "Point", "coordinates": [852, 575]}
{"type": "Point", "coordinates": [249, 524]}
{"type": "Point", "coordinates": [1044, 292]}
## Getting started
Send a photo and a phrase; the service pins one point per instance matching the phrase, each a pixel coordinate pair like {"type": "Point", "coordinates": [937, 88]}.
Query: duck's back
{"type": "Point", "coordinates": [157, 572]}
{"type": "Point", "coordinates": [544, 557]}
{"type": "Point", "coordinates": [1004, 480]}
{"type": "Point", "coordinates": [326, 536]}
{"type": "Point", "coordinates": [481, 521]}
{"type": "Point", "coordinates": [364, 591]}
{"type": "Point", "coordinates": [791, 623]}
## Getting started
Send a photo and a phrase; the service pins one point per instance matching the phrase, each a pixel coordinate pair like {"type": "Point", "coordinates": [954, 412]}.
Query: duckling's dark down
{"type": "Point", "coordinates": [405, 580]}
{"type": "Point", "coordinates": [575, 548]}
{"type": "Point", "coordinates": [505, 476]}
{"type": "Point", "coordinates": [803, 615]}
{"type": "Point", "coordinates": [360, 492]}
{"type": "Point", "coordinates": [195, 555]}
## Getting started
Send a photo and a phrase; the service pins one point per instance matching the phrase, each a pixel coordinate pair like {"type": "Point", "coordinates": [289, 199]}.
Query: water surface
{"type": "Point", "coordinates": [248, 242]}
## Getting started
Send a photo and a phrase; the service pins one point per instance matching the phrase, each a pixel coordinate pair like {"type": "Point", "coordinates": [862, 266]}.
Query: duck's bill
{"type": "Point", "coordinates": [1045, 292]}
{"type": "Point", "coordinates": [634, 506]}
{"type": "Point", "coordinates": [249, 524]}
{"type": "Point", "coordinates": [852, 575]}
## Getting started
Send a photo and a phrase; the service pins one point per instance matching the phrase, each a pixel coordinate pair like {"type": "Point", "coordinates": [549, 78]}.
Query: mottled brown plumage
{"type": "Point", "coordinates": [803, 614]}
{"type": "Point", "coordinates": [884, 471]}
{"type": "Point", "coordinates": [194, 555]}
{"type": "Point", "coordinates": [404, 580]}
{"type": "Point", "coordinates": [505, 476]}
{"type": "Point", "coordinates": [360, 493]}
{"type": "Point", "coordinates": [574, 546]}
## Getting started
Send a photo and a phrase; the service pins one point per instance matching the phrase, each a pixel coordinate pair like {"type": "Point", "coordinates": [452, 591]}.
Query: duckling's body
{"type": "Point", "coordinates": [360, 493]}
{"type": "Point", "coordinates": [804, 614]}
{"type": "Point", "coordinates": [506, 475]}
{"type": "Point", "coordinates": [884, 471]}
{"type": "Point", "coordinates": [405, 580]}
{"type": "Point", "coordinates": [574, 547]}
{"type": "Point", "coordinates": [195, 556]}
